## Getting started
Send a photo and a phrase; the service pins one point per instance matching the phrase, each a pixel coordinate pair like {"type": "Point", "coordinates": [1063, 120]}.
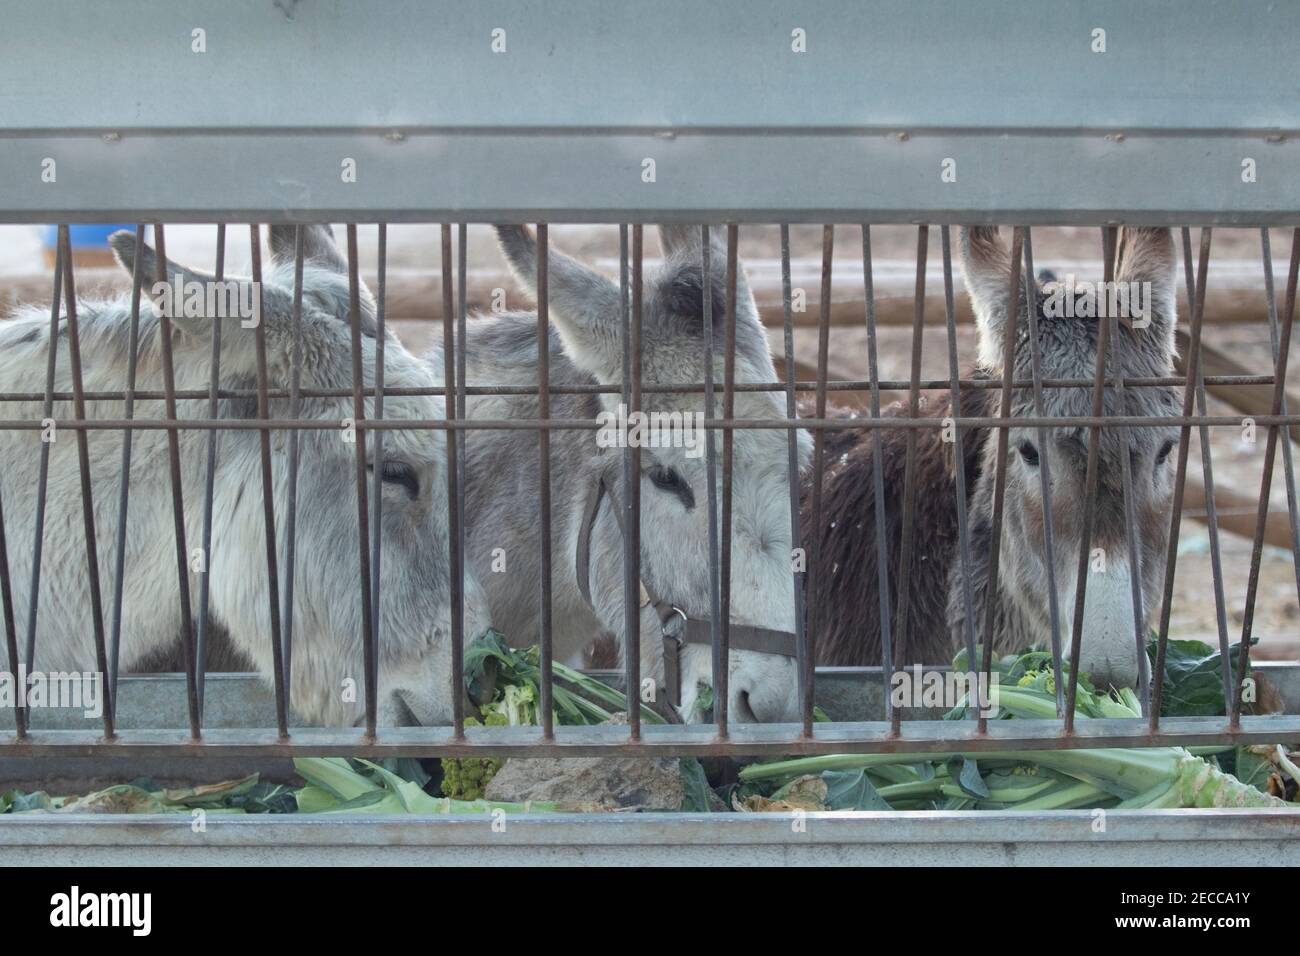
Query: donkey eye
{"type": "Point", "coordinates": [399, 473]}
{"type": "Point", "coordinates": [667, 479]}
{"type": "Point", "coordinates": [1029, 453]}
{"type": "Point", "coordinates": [1163, 453]}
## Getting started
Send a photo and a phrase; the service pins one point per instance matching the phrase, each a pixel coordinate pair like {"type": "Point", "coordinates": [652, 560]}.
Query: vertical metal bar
{"type": "Point", "coordinates": [632, 464]}
{"type": "Point", "coordinates": [455, 551]}
{"type": "Point", "coordinates": [124, 480]}
{"type": "Point", "coordinates": [1000, 472]}
{"type": "Point", "coordinates": [462, 437]}
{"type": "Point", "coordinates": [1266, 480]}
{"type": "Point", "coordinates": [721, 689]}
{"type": "Point", "coordinates": [711, 466]}
{"type": "Point", "coordinates": [1288, 464]}
{"type": "Point", "coordinates": [544, 475]}
{"type": "Point", "coordinates": [959, 455]}
{"type": "Point", "coordinates": [83, 462]}
{"type": "Point", "coordinates": [1044, 469]}
{"type": "Point", "coordinates": [43, 472]}
{"type": "Point", "coordinates": [631, 504]}
{"type": "Point", "coordinates": [268, 490]}
{"type": "Point", "coordinates": [377, 467]}
{"type": "Point", "coordinates": [803, 652]}
{"type": "Point", "coordinates": [295, 410]}
{"type": "Point", "coordinates": [1211, 509]}
{"type": "Point", "coordinates": [1131, 530]}
{"type": "Point", "coordinates": [909, 469]}
{"type": "Point", "coordinates": [11, 633]}
{"type": "Point", "coordinates": [209, 483]}
{"type": "Point", "coordinates": [1180, 478]}
{"type": "Point", "coordinates": [363, 512]}
{"type": "Point", "coordinates": [877, 473]}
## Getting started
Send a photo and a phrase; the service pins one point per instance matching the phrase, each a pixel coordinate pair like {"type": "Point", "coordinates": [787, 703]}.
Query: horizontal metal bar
{"type": "Point", "coordinates": [755, 740]}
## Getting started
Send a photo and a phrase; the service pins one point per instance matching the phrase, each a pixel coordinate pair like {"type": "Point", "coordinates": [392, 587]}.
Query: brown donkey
{"type": "Point", "coordinates": [845, 603]}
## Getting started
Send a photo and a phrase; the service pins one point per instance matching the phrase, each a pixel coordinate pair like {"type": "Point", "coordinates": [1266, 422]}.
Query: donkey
{"type": "Point", "coordinates": [847, 592]}
{"type": "Point", "coordinates": [414, 621]}
{"type": "Point", "coordinates": [585, 310]}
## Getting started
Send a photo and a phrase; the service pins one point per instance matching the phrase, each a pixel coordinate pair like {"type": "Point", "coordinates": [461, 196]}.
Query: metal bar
{"type": "Point", "coordinates": [878, 470]}
{"type": "Point", "coordinates": [11, 633]}
{"type": "Point", "coordinates": [1131, 529]}
{"type": "Point", "coordinates": [83, 462]}
{"type": "Point", "coordinates": [1000, 474]}
{"type": "Point", "coordinates": [295, 411]}
{"type": "Point", "coordinates": [1044, 469]}
{"type": "Point", "coordinates": [462, 437]}
{"type": "Point", "coordinates": [631, 503]}
{"type": "Point", "coordinates": [959, 456]}
{"type": "Point", "coordinates": [124, 480]}
{"type": "Point", "coordinates": [43, 468]}
{"type": "Point", "coordinates": [817, 561]}
{"type": "Point", "coordinates": [711, 465]}
{"type": "Point", "coordinates": [722, 688]}
{"type": "Point", "coordinates": [1211, 508]}
{"type": "Point", "coordinates": [1288, 464]}
{"type": "Point", "coordinates": [1180, 478]}
{"type": "Point", "coordinates": [544, 478]}
{"type": "Point", "coordinates": [1266, 480]}
{"type": "Point", "coordinates": [363, 512]}
{"type": "Point", "coordinates": [905, 542]}
{"type": "Point", "coordinates": [803, 651]}
{"type": "Point", "coordinates": [377, 467]}
{"type": "Point", "coordinates": [603, 740]}
{"type": "Point", "coordinates": [455, 548]}
{"type": "Point", "coordinates": [268, 493]}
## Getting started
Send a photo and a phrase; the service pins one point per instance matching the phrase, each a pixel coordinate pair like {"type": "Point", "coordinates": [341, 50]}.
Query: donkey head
{"type": "Point", "coordinates": [413, 625]}
{"type": "Point", "coordinates": [1069, 321]}
{"type": "Point", "coordinates": [586, 311]}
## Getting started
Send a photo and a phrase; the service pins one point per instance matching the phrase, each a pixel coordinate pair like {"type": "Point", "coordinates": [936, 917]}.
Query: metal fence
{"type": "Point", "coordinates": [732, 169]}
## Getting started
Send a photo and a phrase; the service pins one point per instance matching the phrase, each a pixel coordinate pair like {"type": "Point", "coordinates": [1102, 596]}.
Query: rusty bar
{"type": "Point", "coordinates": [1207, 467]}
{"type": "Point", "coordinates": [43, 473]}
{"type": "Point", "coordinates": [462, 437]}
{"type": "Point", "coordinates": [377, 466]}
{"type": "Point", "coordinates": [877, 469]}
{"type": "Point", "coordinates": [209, 488]}
{"type": "Point", "coordinates": [631, 505]}
{"type": "Point", "coordinates": [959, 455]}
{"type": "Point", "coordinates": [544, 478]}
{"type": "Point", "coordinates": [11, 633]}
{"type": "Point", "coordinates": [803, 652]}
{"type": "Point", "coordinates": [1000, 474]}
{"type": "Point", "coordinates": [722, 689]}
{"type": "Point", "coordinates": [1288, 464]}
{"type": "Point", "coordinates": [295, 410]}
{"type": "Point", "coordinates": [83, 463]}
{"type": "Point", "coordinates": [711, 460]}
{"type": "Point", "coordinates": [903, 608]}
{"type": "Point", "coordinates": [124, 479]}
{"type": "Point", "coordinates": [1180, 479]}
{"type": "Point", "coordinates": [632, 466]}
{"type": "Point", "coordinates": [1044, 436]}
{"type": "Point", "coordinates": [363, 511]}
{"type": "Point", "coordinates": [268, 491]}
{"type": "Point", "coordinates": [1266, 480]}
{"type": "Point", "coordinates": [455, 551]}
{"type": "Point", "coordinates": [1110, 254]}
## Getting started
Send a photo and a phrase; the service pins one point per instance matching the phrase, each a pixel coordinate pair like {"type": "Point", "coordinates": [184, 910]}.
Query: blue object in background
{"type": "Point", "coordinates": [81, 237]}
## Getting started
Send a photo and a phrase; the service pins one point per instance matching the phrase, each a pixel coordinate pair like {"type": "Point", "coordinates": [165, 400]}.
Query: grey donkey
{"type": "Point", "coordinates": [414, 623]}
{"type": "Point", "coordinates": [848, 594]}
{"type": "Point", "coordinates": [586, 348]}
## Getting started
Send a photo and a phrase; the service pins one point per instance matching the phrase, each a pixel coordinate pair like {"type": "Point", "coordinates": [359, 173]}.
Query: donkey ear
{"type": "Point", "coordinates": [1147, 255]}
{"type": "Point", "coordinates": [318, 247]}
{"type": "Point", "coordinates": [123, 244]}
{"type": "Point", "coordinates": [674, 239]}
{"type": "Point", "coordinates": [987, 268]}
{"type": "Point", "coordinates": [584, 305]}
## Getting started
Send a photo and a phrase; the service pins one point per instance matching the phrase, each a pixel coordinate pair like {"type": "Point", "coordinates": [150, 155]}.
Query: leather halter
{"type": "Point", "coordinates": [676, 626]}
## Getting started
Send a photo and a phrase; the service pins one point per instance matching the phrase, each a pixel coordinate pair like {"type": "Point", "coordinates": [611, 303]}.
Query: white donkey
{"type": "Point", "coordinates": [587, 541]}
{"type": "Point", "coordinates": [414, 623]}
